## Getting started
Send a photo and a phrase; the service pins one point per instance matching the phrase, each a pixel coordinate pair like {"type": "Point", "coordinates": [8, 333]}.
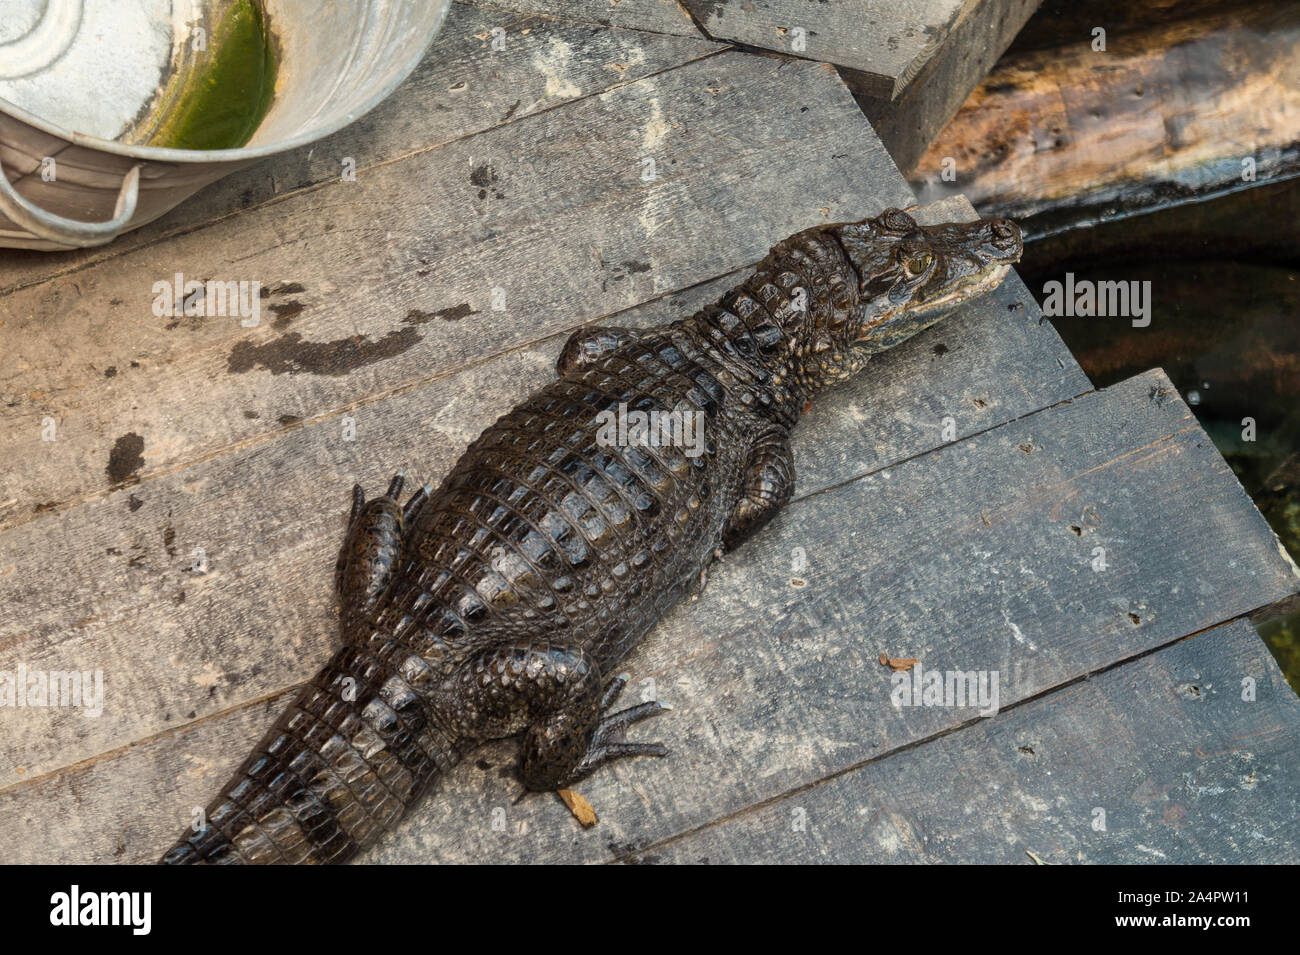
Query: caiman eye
{"type": "Point", "coordinates": [919, 264]}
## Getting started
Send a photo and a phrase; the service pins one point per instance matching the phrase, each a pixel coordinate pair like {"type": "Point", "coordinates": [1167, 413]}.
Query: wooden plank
{"type": "Point", "coordinates": [389, 281]}
{"type": "Point", "coordinates": [267, 518]}
{"type": "Point", "coordinates": [886, 41]}
{"type": "Point", "coordinates": [908, 123]}
{"type": "Point", "coordinates": [1184, 769]}
{"type": "Point", "coordinates": [462, 87]}
{"type": "Point", "coordinates": [975, 563]}
{"type": "Point", "coordinates": [1065, 136]}
{"type": "Point", "coordinates": [657, 16]}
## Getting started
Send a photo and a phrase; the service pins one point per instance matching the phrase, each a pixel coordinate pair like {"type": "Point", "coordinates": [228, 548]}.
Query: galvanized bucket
{"type": "Point", "coordinates": [102, 101]}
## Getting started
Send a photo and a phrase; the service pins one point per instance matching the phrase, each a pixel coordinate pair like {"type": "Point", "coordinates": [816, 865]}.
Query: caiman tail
{"type": "Point", "coordinates": [353, 752]}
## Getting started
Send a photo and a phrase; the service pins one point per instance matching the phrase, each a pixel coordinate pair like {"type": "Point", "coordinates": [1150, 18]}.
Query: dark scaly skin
{"type": "Point", "coordinates": [499, 604]}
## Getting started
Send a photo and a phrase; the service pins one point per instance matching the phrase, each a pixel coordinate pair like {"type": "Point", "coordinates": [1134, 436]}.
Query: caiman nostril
{"type": "Point", "coordinates": [1006, 233]}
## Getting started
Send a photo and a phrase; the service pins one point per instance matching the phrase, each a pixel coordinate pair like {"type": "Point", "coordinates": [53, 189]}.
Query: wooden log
{"type": "Point", "coordinates": [1259, 225]}
{"type": "Point", "coordinates": [462, 87]}
{"type": "Point", "coordinates": [1181, 111]}
{"type": "Point", "coordinates": [379, 284]}
{"type": "Point", "coordinates": [1183, 756]}
{"type": "Point", "coordinates": [1064, 22]}
{"type": "Point", "coordinates": [974, 562]}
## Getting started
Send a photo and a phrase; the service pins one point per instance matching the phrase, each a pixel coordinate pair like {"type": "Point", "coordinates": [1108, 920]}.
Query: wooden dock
{"type": "Point", "coordinates": [969, 501]}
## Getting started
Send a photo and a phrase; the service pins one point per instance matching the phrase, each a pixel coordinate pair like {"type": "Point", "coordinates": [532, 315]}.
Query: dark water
{"type": "Point", "coordinates": [1225, 326]}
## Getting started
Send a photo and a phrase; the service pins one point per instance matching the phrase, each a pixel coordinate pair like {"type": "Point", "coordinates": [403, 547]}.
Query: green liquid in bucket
{"type": "Point", "coordinates": [220, 103]}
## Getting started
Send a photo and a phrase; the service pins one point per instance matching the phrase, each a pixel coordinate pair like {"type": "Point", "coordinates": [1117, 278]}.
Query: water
{"type": "Point", "coordinates": [1225, 292]}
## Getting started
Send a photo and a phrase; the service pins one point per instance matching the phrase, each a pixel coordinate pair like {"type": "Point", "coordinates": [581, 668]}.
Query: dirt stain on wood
{"type": "Point", "coordinates": [288, 288]}
{"type": "Point", "coordinates": [126, 458]}
{"type": "Point", "coordinates": [485, 177]}
{"type": "Point", "coordinates": [453, 314]}
{"type": "Point", "coordinates": [291, 354]}
{"type": "Point", "coordinates": [286, 312]}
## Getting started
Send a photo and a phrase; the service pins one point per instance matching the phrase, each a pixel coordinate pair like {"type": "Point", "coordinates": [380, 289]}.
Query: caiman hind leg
{"type": "Point", "coordinates": [588, 345]}
{"type": "Point", "coordinates": [372, 545]}
{"type": "Point", "coordinates": [769, 484]}
{"type": "Point", "coordinates": [554, 695]}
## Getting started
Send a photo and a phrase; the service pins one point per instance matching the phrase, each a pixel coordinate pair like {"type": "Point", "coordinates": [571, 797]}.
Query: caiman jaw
{"type": "Point", "coordinates": [961, 292]}
{"type": "Point", "coordinates": [918, 318]}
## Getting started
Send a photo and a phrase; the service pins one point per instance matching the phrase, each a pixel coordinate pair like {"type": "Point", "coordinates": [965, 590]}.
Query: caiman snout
{"type": "Point", "coordinates": [1007, 239]}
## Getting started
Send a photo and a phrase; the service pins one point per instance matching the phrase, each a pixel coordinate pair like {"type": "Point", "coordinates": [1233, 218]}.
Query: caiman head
{"type": "Point", "coordinates": [911, 275]}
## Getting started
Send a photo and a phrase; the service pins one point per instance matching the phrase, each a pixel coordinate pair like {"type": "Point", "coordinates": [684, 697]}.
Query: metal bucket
{"type": "Point", "coordinates": [100, 100]}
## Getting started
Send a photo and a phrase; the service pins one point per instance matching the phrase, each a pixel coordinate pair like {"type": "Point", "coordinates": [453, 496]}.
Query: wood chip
{"type": "Point", "coordinates": [580, 808]}
{"type": "Point", "coordinates": [898, 663]}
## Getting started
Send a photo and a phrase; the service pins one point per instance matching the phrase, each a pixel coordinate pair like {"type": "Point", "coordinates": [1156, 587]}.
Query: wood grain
{"type": "Point", "coordinates": [1158, 761]}
{"type": "Point", "coordinates": [657, 16]}
{"type": "Point", "coordinates": [1064, 136]}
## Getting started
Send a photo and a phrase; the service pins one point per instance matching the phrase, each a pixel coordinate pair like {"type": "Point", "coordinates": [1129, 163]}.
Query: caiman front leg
{"type": "Point", "coordinates": [587, 345]}
{"type": "Point", "coordinates": [372, 545]}
{"type": "Point", "coordinates": [554, 695]}
{"type": "Point", "coordinates": [769, 484]}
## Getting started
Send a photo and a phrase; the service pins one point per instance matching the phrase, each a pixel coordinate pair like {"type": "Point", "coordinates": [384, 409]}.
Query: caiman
{"type": "Point", "coordinates": [499, 604]}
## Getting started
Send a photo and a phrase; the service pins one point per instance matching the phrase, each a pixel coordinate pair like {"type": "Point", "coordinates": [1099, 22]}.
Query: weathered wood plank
{"type": "Point", "coordinates": [1183, 767]}
{"type": "Point", "coordinates": [392, 280]}
{"type": "Point", "coordinates": [1064, 136]}
{"type": "Point", "coordinates": [908, 123]}
{"type": "Point", "coordinates": [973, 564]}
{"type": "Point", "coordinates": [462, 87]}
{"type": "Point", "coordinates": [886, 41]}
{"type": "Point", "coordinates": [657, 16]}
{"type": "Point", "coordinates": [267, 519]}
